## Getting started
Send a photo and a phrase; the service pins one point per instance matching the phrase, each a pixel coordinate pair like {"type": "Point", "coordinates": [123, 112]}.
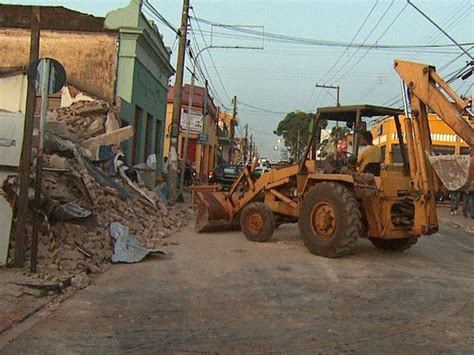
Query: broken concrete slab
{"type": "Point", "coordinates": [111, 138]}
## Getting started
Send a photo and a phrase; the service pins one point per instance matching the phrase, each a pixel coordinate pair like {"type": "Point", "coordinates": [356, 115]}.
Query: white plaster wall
{"type": "Point", "coordinates": [13, 93]}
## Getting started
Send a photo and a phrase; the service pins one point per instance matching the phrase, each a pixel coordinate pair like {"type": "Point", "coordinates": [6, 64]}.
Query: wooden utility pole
{"type": "Point", "coordinates": [246, 143]}
{"type": "Point", "coordinates": [25, 162]}
{"type": "Point", "coordinates": [251, 147]}
{"type": "Point", "coordinates": [176, 116]}
{"type": "Point", "coordinates": [232, 128]}
{"type": "Point", "coordinates": [45, 81]}
{"type": "Point", "coordinates": [337, 88]}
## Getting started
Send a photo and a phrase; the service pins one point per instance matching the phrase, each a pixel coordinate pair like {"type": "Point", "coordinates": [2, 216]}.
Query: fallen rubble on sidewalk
{"type": "Point", "coordinates": [86, 188]}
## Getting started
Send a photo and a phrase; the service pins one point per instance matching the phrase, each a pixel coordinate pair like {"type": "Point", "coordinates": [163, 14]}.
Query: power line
{"type": "Point", "coordinates": [261, 109]}
{"type": "Point", "coordinates": [440, 28]}
{"type": "Point", "coordinates": [159, 17]}
{"type": "Point", "coordinates": [210, 56]}
{"type": "Point", "coordinates": [365, 40]}
{"type": "Point", "coordinates": [315, 42]}
{"type": "Point", "coordinates": [451, 20]}
{"type": "Point", "coordinates": [368, 50]}
{"type": "Point", "coordinates": [352, 41]}
{"type": "Point", "coordinates": [211, 83]}
{"type": "Point", "coordinates": [434, 35]}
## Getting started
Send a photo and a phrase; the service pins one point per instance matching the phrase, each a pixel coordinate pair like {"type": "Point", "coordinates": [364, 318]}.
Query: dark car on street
{"type": "Point", "coordinates": [224, 175]}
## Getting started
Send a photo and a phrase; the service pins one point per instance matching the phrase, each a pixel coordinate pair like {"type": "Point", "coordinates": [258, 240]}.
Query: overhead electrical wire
{"type": "Point", "coordinates": [335, 76]}
{"type": "Point", "coordinates": [342, 54]}
{"type": "Point", "coordinates": [261, 109]}
{"type": "Point", "coordinates": [352, 40]}
{"type": "Point", "coordinates": [212, 87]}
{"type": "Point", "coordinates": [314, 42]}
{"type": "Point", "coordinates": [210, 56]}
{"type": "Point", "coordinates": [452, 19]}
{"type": "Point", "coordinates": [159, 17]}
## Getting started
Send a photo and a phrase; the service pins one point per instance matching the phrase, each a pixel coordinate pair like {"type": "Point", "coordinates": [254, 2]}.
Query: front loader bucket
{"type": "Point", "coordinates": [214, 212]}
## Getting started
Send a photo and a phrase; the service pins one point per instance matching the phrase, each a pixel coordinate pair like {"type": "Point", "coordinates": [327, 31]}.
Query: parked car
{"type": "Point", "coordinates": [224, 175]}
{"type": "Point", "coordinates": [259, 170]}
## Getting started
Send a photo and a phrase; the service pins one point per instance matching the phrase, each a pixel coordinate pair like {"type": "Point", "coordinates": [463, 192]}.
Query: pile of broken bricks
{"type": "Point", "coordinates": [86, 188]}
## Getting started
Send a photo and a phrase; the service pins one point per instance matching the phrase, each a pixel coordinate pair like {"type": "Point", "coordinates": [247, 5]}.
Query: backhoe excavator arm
{"type": "Point", "coordinates": [434, 92]}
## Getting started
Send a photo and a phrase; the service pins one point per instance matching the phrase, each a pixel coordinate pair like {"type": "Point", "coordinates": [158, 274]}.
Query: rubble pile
{"type": "Point", "coordinates": [85, 119]}
{"type": "Point", "coordinates": [84, 195]}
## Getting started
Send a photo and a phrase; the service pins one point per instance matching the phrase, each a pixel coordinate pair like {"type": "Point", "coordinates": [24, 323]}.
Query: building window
{"type": "Point", "coordinates": [148, 136]}
{"type": "Point", "coordinates": [136, 135]}
{"type": "Point", "coordinates": [443, 150]}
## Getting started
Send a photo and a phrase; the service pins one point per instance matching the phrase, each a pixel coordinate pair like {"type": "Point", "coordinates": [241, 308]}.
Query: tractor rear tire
{"type": "Point", "coordinates": [394, 245]}
{"type": "Point", "coordinates": [257, 222]}
{"type": "Point", "coordinates": [330, 220]}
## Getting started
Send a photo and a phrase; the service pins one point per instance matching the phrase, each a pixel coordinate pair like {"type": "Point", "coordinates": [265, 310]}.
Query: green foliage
{"type": "Point", "coordinates": [295, 124]}
{"type": "Point", "coordinates": [339, 132]}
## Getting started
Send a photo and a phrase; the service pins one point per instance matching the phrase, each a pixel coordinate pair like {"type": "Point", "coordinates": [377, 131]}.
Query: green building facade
{"type": "Point", "coordinates": [142, 81]}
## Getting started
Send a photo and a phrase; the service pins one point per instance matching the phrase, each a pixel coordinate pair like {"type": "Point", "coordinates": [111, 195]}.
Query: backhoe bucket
{"type": "Point", "coordinates": [214, 212]}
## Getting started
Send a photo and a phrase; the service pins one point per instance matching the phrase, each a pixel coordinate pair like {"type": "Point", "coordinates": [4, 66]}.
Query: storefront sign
{"type": "Point", "coordinates": [202, 138]}
{"type": "Point", "coordinates": [195, 120]}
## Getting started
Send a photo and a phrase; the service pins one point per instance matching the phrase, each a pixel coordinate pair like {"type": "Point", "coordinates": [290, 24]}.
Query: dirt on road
{"type": "Point", "coordinates": [221, 293]}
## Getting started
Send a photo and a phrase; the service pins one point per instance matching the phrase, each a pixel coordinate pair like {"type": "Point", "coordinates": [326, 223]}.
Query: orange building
{"type": "Point", "coordinates": [204, 153]}
{"type": "Point", "coordinates": [443, 138]}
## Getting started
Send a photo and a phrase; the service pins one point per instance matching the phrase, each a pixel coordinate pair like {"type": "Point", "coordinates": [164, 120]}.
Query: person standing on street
{"type": "Point", "coordinates": [165, 168]}
{"type": "Point", "coordinates": [468, 198]}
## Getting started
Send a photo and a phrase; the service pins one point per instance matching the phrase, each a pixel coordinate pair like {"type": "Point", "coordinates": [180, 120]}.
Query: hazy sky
{"type": "Point", "coordinates": [281, 77]}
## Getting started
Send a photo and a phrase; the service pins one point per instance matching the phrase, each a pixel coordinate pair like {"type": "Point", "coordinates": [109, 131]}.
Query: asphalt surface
{"type": "Point", "coordinates": [221, 293]}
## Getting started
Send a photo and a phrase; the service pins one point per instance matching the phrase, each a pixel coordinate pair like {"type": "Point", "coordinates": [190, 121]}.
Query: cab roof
{"type": "Point", "coordinates": [349, 113]}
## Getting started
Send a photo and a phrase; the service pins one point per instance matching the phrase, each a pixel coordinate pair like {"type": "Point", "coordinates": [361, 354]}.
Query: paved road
{"type": "Point", "coordinates": [219, 292]}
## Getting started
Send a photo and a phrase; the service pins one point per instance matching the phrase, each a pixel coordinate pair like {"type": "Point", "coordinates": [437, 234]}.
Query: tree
{"type": "Point", "coordinates": [296, 125]}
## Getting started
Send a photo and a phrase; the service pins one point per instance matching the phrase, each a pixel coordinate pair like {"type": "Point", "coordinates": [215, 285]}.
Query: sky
{"type": "Point", "coordinates": [279, 75]}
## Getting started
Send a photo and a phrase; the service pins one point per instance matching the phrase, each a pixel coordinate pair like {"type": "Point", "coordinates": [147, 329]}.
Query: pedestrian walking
{"type": "Point", "coordinates": [468, 204]}
{"type": "Point", "coordinates": [454, 202]}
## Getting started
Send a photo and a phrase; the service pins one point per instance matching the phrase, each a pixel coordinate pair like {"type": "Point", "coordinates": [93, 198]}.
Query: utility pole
{"type": "Point", "coordinates": [297, 159]}
{"type": "Point", "coordinates": [176, 116]}
{"type": "Point", "coordinates": [246, 147]}
{"type": "Point", "coordinates": [25, 162]}
{"type": "Point", "coordinates": [45, 82]}
{"type": "Point", "coordinates": [233, 124]}
{"type": "Point", "coordinates": [251, 148]}
{"type": "Point", "coordinates": [331, 87]}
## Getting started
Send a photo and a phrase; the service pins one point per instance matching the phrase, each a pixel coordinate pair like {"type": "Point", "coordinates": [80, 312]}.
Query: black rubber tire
{"type": "Point", "coordinates": [394, 245]}
{"type": "Point", "coordinates": [268, 224]}
{"type": "Point", "coordinates": [348, 223]}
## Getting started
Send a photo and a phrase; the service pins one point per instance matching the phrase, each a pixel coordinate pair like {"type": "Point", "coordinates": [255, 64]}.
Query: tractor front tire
{"type": "Point", "coordinates": [257, 222]}
{"type": "Point", "coordinates": [330, 220]}
{"type": "Point", "coordinates": [394, 245]}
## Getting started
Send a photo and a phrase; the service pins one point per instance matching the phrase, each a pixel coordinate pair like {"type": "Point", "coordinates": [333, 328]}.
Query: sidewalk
{"type": "Point", "coordinates": [456, 221]}
{"type": "Point", "coordinates": [18, 302]}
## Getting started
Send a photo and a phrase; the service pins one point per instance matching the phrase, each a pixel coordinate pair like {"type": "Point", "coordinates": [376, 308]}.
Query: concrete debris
{"type": "Point", "coordinates": [57, 162]}
{"type": "Point", "coordinates": [111, 123]}
{"type": "Point", "coordinates": [80, 280]}
{"type": "Point", "coordinates": [70, 211]}
{"type": "Point", "coordinates": [85, 197]}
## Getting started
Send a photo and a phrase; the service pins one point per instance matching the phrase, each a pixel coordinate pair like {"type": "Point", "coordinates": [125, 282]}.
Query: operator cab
{"type": "Point", "coordinates": [339, 137]}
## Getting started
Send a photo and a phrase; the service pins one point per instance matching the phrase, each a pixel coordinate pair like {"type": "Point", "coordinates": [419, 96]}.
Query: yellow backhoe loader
{"type": "Point", "coordinates": [334, 209]}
